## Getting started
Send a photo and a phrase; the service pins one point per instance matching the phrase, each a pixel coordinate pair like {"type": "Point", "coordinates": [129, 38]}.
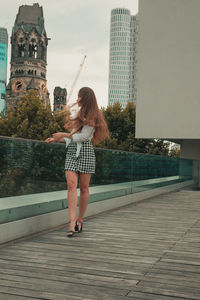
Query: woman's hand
{"type": "Point", "coordinates": [59, 137]}
{"type": "Point", "coordinates": [49, 140]}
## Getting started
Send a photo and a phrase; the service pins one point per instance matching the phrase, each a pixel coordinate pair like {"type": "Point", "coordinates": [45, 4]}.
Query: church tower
{"type": "Point", "coordinates": [60, 99]}
{"type": "Point", "coordinates": [28, 55]}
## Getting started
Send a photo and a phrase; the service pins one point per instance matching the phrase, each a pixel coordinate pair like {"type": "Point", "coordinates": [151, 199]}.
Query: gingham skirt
{"type": "Point", "coordinates": [85, 162]}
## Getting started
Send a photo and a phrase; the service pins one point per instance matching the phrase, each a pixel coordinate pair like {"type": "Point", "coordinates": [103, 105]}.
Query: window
{"type": "Point", "coordinates": [21, 49]}
{"type": "Point", "coordinates": [33, 49]}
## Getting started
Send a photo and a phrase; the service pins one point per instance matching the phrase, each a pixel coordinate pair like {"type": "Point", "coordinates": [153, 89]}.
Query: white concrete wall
{"type": "Point", "coordinates": [190, 149]}
{"type": "Point", "coordinates": [168, 69]}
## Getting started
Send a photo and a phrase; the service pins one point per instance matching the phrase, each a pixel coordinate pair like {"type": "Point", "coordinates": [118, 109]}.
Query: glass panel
{"type": "Point", "coordinates": [29, 167]}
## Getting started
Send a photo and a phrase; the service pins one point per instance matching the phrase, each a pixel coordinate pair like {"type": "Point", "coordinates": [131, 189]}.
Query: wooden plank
{"type": "Point", "coordinates": [174, 280]}
{"type": "Point", "coordinates": [4, 296]}
{"type": "Point", "coordinates": [94, 280]}
{"type": "Point", "coordinates": [13, 293]}
{"type": "Point", "coordinates": [167, 290]}
{"type": "Point", "coordinates": [174, 273]}
{"type": "Point", "coordinates": [150, 296]}
{"type": "Point", "coordinates": [39, 285]}
{"type": "Point", "coordinates": [57, 249]}
{"type": "Point", "coordinates": [145, 295]}
{"type": "Point", "coordinates": [177, 267]}
{"type": "Point", "coordinates": [133, 268]}
{"type": "Point", "coordinates": [64, 271]}
{"type": "Point", "coordinates": [178, 278]}
{"type": "Point", "coordinates": [141, 296]}
{"type": "Point", "coordinates": [124, 259]}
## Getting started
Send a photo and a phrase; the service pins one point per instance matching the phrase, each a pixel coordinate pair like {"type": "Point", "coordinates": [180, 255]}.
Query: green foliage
{"type": "Point", "coordinates": [174, 152]}
{"type": "Point", "coordinates": [31, 119]}
{"type": "Point", "coordinates": [121, 123]}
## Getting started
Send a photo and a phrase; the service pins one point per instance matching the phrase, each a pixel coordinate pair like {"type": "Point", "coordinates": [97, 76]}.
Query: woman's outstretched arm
{"type": "Point", "coordinates": [59, 137]}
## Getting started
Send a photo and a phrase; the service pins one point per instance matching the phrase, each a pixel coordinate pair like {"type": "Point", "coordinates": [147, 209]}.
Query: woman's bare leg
{"type": "Point", "coordinates": [72, 180]}
{"type": "Point", "coordinates": [84, 181]}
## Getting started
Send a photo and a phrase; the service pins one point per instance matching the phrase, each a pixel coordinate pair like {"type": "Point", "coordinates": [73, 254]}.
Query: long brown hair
{"type": "Point", "coordinates": [89, 114]}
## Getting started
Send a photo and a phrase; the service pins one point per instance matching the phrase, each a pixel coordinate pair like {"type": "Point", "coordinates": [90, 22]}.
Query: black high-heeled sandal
{"type": "Point", "coordinates": [71, 233]}
{"type": "Point", "coordinates": [78, 227]}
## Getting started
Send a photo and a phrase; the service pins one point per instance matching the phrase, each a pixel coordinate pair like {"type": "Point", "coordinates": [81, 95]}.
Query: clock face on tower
{"type": "Point", "coordinates": [18, 85]}
{"type": "Point", "coordinates": [43, 88]}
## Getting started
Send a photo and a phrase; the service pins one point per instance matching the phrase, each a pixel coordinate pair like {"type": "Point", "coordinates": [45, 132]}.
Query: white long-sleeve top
{"type": "Point", "coordinates": [86, 134]}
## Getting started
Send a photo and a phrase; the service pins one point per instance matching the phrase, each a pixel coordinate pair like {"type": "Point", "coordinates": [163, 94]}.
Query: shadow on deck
{"type": "Point", "coordinates": [146, 250]}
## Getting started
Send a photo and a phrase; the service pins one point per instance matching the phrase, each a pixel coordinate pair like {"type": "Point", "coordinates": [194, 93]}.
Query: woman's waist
{"type": "Point", "coordinates": [82, 143]}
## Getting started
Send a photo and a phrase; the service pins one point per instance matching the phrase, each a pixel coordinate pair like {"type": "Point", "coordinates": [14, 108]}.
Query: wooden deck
{"type": "Point", "coordinates": [147, 250]}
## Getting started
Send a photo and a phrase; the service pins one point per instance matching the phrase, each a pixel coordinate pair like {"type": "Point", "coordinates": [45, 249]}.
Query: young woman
{"type": "Point", "coordinates": [87, 125]}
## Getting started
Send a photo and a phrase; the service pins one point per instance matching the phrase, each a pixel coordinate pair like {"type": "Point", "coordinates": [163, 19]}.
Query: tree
{"type": "Point", "coordinates": [121, 123]}
{"type": "Point", "coordinates": [174, 152]}
{"type": "Point", "coordinates": [31, 119]}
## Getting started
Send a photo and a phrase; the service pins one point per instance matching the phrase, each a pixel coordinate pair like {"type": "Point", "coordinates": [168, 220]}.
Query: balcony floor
{"type": "Point", "coordinates": [147, 250]}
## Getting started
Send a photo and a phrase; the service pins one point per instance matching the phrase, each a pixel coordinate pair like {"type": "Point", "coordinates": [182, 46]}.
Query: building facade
{"type": "Point", "coordinates": [3, 68]}
{"type": "Point", "coordinates": [122, 57]}
{"type": "Point", "coordinates": [168, 72]}
{"type": "Point", "coordinates": [60, 99]}
{"type": "Point", "coordinates": [28, 56]}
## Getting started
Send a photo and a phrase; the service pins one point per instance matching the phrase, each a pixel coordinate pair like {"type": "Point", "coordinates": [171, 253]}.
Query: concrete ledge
{"type": "Point", "coordinates": [26, 206]}
{"type": "Point", "coordinates": [17, 229]}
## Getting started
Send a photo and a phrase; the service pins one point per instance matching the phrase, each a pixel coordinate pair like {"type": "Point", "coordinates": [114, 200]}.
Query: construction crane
{"type": "Point", "coordinates": [76, 78]}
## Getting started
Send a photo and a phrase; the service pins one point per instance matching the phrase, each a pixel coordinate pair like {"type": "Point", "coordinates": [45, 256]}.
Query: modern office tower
{"type": "Point", "coordinates": [3, 68]}
{"type": "Point", "coordinates": [133, 39]}
{"type": "Point", "coordinates": [122, 57]}
{"type": "Point", "coordinates": [60, 99]}
{"type": "Point", "coordinates": [28, 55]}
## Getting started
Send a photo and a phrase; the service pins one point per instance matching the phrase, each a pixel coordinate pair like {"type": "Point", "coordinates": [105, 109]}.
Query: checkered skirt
{"type": "Point", "coordinates": [85, 162]}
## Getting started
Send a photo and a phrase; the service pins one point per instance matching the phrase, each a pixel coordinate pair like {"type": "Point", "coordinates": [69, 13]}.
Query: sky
{"type": "Point", "coordinates": [76, 28]}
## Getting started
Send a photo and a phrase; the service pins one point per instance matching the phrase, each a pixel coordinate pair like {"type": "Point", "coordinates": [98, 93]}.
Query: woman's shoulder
{"type": "Point", "coordinates": [88, 127]}
{"type": "Point", "coordinates": [88, 124]}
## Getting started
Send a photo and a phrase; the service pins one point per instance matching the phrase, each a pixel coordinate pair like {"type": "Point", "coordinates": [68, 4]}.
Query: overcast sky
{"type": "Point", "coordinates": [76, 28]}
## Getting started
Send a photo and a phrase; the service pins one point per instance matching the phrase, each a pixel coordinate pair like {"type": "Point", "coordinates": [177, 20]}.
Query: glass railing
{"type": "Point", "coordinates": [29, 167]}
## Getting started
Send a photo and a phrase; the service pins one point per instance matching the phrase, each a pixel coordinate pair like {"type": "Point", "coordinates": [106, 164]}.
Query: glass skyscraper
{"type": "Point", "coordinates": [3, 68]}
{"type": "Point", "coordinates": [122, 57]}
